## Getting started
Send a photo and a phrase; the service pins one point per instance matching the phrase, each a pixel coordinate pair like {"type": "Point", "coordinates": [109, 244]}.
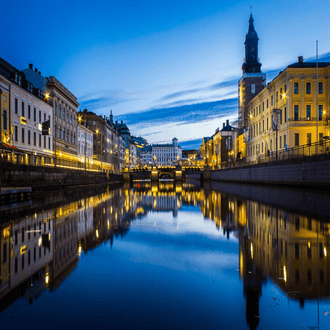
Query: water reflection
{"type": "Point", "coordinates": [290, 247]}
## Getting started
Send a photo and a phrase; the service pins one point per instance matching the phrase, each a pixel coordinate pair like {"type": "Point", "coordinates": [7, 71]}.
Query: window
{"type": "Point", "coordinates": [263, 106]}
{"type": "Point", "coordinates": [272, 100]}
{"type": "Point", "coordinates": [55, 108]}
{"type": "Point", "coordinates": [59, 132]}
{"type": "Point", "coordinates": [35, 114]}
{"type": "Point", "coordinates": [320, 88]}
{"type": "Point", "coordinates": [16, 133]}
{"type": "Point", "coordinates": [16, 106]}
{"type": "Point", "coordinates": [284, 88]}
{"type": "Point", "coordinates": [23, 261]}
{"type": "Point", "coordinates": [22, 234]}
{"type": "Point", "coordinates": [253, 89]}
{"type": "Point", "coordinates": [296, 139]}
{"type": "Point", "coordinates": [67, 115]}
{"type": "Point", "coordinates": [284, 140]}
{"type": "Point", "coordinates": [23, 109]}
{"type": "Point", "coordinates": [34, 138]}
{"type": "Point", "coordinates": [308, 88]}
{"type": "Point", "coordinates": [320, 111]}
{"type": "Point", "coordinates": [67, 135]}
{"type": "Point", "coordinates": [71, 118]}
{"type": "Point", "coordinates": [4, 252]}
{"type": "Point", "coordinates": [64, 134]}
{"type": "Point", "coordinates": [29, 137]}
{"type": "Point", "coordinates": [59, 110]}
{"type": "Point", "coordinates": [44, 116]}
{"type": "Point", "coordinates": [309, 138]}
{"type": "Point", "coordinates": [267, 103]}
{"type": "Point", "coordinates": [29, 111]}
{"type": "Point", "coordinates": [308, 112]}
{"type": "Point", "coordinates": [23, 135]}
{"type": "Point", "coordinates": [296, 88]}
{"type": "Point", "coordinates": [267, 124]}
{"type": "Point", "coordinates": [280, 141]}
{"type": "Point", "coordinates": [285, 114]}
{"type": "Point", "coordinates": [39, 116]}
{"type": "Point", "coordinates": [5, 119]}
{"type": "Point", "coordinates": [277, 96]}
{"type": "Point", "coordinates": [39, 140]}
{"type": "Point", "coordinates": [281, 117]}
{"type": "Point", "coordinates": [49, 142]}
{"type": "Point", "coordinates": [296, 112]}
{"type": "Point", "coordinates": [281, 93]}
{"type": "Point", "coordinates": [296, 250]}
{"type": "Point", "coordinates": [16, 265]}
{"type": "Point", "coordinates": [45, 142]}
{"type": "Point", "coordinates": [63, 113]}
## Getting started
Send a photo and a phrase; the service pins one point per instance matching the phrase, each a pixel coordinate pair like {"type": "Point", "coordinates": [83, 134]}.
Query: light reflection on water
{"type": "Point", "coordinates": [168, 256]}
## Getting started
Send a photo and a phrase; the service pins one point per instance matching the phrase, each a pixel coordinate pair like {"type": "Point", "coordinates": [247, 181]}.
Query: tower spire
{"type": "Point", "coordinates": [251, 63]}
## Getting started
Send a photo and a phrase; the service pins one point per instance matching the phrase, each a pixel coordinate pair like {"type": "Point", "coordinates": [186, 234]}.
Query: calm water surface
{"type": "Point", "coordinates": [167, 257]}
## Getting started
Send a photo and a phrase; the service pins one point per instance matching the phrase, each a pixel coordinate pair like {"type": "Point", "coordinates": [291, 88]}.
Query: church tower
{"type": "Point", "coordinates": [252, 80]}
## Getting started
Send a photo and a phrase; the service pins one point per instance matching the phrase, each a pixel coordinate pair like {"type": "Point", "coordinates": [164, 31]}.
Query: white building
{"type": "Point", "coordinates": [167, 154]}
{"type": "Point", "coordinates": [85, 144]}
{"type": "Point", "coordinates": [146, 157]}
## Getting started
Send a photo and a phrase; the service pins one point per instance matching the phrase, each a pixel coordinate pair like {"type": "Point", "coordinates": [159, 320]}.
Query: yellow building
{"type": "Point", "coordinates": [4, 109]}
{"type": "Point", "coordinates": [300, 97]}
{"type": "Point", "coordinates": [219, 149]}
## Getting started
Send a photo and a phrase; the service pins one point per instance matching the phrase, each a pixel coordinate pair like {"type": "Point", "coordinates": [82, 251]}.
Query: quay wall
{"type": "Point", "coordinates": [303, 172]}
{"type": "Point", "coordinates": [50, 177]}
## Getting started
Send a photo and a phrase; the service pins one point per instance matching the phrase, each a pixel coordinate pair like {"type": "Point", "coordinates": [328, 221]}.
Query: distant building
{"type": "Point", "coordinates": [167, 154]}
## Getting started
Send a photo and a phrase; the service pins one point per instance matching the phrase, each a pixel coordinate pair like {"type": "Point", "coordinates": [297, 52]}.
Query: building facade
{"type": "Point", "coordinates": [85, 144]}
{"type": "Point", "coordinates": [64, 104]}
{"type": "Point", "coordinates": [296, 103]}
{"type": "Point", "coordinates": [28, 111]}
{"type": "Point", "coordinates": [167, 154]}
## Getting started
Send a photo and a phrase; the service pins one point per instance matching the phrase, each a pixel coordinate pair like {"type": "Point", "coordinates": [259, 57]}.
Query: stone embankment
{"type": "Point", "coordinates": [309, 171]}
{"type": "Point", "coordinates": [49, 177]}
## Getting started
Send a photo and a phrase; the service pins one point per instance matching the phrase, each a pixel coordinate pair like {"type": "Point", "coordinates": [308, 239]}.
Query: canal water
{"type": "Point", "coordinates": [166, 256]}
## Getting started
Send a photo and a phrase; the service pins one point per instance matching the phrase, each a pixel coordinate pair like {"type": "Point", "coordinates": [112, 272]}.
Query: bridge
{"type": "Point", "coordinates": [155, 173]}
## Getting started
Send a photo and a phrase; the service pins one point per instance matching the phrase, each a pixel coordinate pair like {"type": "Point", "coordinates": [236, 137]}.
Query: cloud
{"type": "Point", "coordinates": [184, 114]}
{"type": "Point", "coordinates": [191, 144]}
{"type": "Point", "coordinates": [224, 84]}
{"type": "Point", "coordinates": [179, 94]}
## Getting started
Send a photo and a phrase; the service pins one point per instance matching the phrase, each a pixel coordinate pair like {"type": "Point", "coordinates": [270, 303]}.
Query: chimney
{"type": "Point", "coordinates": [121, 122]}
{"type": "Point", "coordinates": [300, 59]}
{"type": "Point", "coordinates": [36, 70]}
{"type": "Point", "coordinates": [31, 66]}
{"type": "Point", "coordinates": [227, 122]}
{"type": "Point", "coordinates": [39, 72]}
{"type": "Point", "coordinates": [223, 125]}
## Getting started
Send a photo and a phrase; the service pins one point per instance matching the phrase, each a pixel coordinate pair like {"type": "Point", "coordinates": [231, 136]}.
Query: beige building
{"type": "Point", "coordinates": [300, 96]}
{"type": "Point", "coordinates": [28, 111]}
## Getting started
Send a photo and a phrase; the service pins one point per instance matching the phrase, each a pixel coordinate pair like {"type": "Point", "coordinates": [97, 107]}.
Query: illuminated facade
{"type": "Point", "coordinates": [23, 121]}
{"type": "Point", "coordinates": [300, 95]}
{"type": "Point", "coordinates": [64, 104]}
{"type": "Point", "coordinates": [85, 144]}
{"type": "Point", "coordinates": [219, 149]}
{"type": "Point", "coordinates": [166, 154]}
{"type": "Point", "coordinates": [4, 109]}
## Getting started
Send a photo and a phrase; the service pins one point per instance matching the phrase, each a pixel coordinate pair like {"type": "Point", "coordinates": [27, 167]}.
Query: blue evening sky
{"type": "Point", "coordinates": [167, 68]}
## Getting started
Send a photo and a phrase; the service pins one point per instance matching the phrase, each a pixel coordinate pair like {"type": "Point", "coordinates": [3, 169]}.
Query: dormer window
{"type": "Point", "coordinates": [16, 77]}
{"type": "Point", "coordinates": [19, 80]}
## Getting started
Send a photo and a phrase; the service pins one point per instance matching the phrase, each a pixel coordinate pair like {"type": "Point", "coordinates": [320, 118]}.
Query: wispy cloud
{"type": "Point", "coordinates": [191, 113]}
{"type": "Point", "coordinates": [179, 94]}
